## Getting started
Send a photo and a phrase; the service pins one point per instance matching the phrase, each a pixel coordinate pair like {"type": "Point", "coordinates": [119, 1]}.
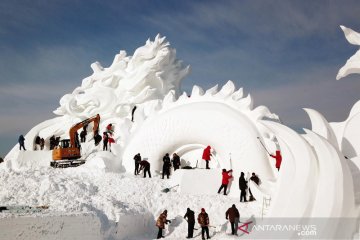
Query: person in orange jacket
{"type": "Point", "coordinates": [278, 159]}
{"type": "Point", "coordinates": [226, 176]}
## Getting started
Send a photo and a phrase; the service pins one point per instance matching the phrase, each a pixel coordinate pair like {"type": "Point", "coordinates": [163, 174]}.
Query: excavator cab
{"type": "Point", "coordinates": [68, 153]}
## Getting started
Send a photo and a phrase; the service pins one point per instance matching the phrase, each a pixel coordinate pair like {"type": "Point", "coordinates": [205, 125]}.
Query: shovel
{"type": "Point", "coordinates": [166, 190]}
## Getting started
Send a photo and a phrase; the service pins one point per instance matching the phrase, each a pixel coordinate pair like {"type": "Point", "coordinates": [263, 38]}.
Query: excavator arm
{"type": "Point", "coordinates": [76, 127]}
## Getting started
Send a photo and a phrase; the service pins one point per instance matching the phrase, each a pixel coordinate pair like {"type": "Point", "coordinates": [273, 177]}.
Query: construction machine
{"type": "Point", "coordinates": [68, 153]}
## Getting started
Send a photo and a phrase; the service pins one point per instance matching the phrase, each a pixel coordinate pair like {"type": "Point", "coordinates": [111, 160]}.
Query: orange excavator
{"type": "Point", "coordinates": [68, 153]}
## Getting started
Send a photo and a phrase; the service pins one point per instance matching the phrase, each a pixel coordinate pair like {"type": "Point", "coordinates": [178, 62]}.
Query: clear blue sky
{"type": "Point", "coordinates": [285, 53]}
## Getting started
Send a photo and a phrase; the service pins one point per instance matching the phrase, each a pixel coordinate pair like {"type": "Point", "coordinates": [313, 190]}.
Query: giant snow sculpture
{"type": "Point", "coordinates": [167, 121]}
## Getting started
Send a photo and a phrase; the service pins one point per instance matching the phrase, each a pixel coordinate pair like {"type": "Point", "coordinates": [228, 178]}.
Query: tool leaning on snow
{"type": "Point", "coordinates": [166, 190]}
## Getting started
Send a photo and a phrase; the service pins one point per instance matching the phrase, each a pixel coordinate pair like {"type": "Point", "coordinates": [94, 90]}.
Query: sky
{"type": "Point", "coordinates": [285, 53]}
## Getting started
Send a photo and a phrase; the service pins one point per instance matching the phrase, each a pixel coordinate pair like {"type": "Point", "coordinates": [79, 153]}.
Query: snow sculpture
{"type": "Point", "coordinates": [353, 64]}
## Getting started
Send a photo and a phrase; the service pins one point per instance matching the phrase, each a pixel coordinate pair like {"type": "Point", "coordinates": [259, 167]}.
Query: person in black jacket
{"type": "Point", "coordinates": [190, 215]}
{"type": "Point", "coordinates": [166, 166]}
{"type": "Point", "coordinates": [22, 142]}
{"type": "Point", "coordinates": [243, 186]}
{"type": "Point", "coordinates": [146, 166]}
{"type": "Point", "coordinates": [137, 159]}
{"type": "Point", "coordinates": [176, 161]}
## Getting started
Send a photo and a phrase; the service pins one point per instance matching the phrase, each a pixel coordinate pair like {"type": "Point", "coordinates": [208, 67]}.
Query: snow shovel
{"type": "Point", "coordinates": [166, 190]}
{"type": "Point", "coordinates": [263, 146]}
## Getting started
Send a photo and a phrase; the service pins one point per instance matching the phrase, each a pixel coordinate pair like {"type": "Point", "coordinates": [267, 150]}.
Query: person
{"type": "Point", "coordinates": [226, 176]}
{"type": "Point", "coordinates": [42, 143]}
{"type": "Point", "coordinates": [77, 142]}
{"type": "Point", "coordinates": [22, 142]}
{"type": "Point", "coordinates": [146, 166]}
{"type": "Point", "coordinates": [83, 134]}
{"type": "Point", "coordinates": [190, 215]}
{"type": "Point", "coordinates": [203, 220]}
{"type": "Point", "coordinates": [52, 142]}
{"type": "Point", "coordinates": [160, 223]}
{"type": "Point", "coordinates": [206, 156]}
{"type": "Point", "coordinates": [57, 141]}
{"type": "Point", "coordinates": [256, 180]}
{"type": "Point", "coordinates": [278, 159]}
{"type": "Point", "coordinates": [97, 137]}
{"type": "Point", "coordinates": [243, 187]}
{"type": "Point", "coordinates": [109, 128]}
{"type": "Point", "coordinates": [37, 142]}
{"type": "Point", "coordinates": [132, 113]}
{"type": "Point", "coordinates": [233, 215]}
{"type": "Point", "coordinates": [166, 166]}
{"type": "Point", "coordinates": [105, 141]}
{"type": "Point", "coordinates": [137, 160]}
{"type": "Point", "coordinates": [111, 140]}
{"type": "Point", "coordinates": [176, 161]}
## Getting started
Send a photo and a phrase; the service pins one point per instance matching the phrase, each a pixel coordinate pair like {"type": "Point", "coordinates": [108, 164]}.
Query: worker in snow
{"type": "Point", "coordinates": [176, 161]}
{"type": "Point", "coordinates": [83, 134]}
{"type": "Point", "coordinates": [190, 218]}
{"type": "Point", "coordinates": [52, 142]}
{"type": "Point", "coordinates": [166, 166]}
{"type": "Point", "coordinates": [42, 143]}
{"type": "Point", "coordinates": [22, 142]}
{"type": "Point", "coordinates": [105, 141]}
{"type": "Point", "coordinates": [206, 156]}
{"type": "Point", "coordinates": [109, 129]}
{"type": "Point", "coordinates": [226, 176]}
{"type": "Point", "coordinates": [233, 215]}
{"type": "Point", "coordinates": [146, 166]}
{"type": "Point", "coordinates": [256, 180]}
{"type": "Point", "coordinates": [243, 186]}
{"type": "Point", "coordinates": [160, 223]}
{"type": "Point", "coordinates": [137, 160]}
{"type": "Point", "coordinates": [278, 159]}
{"type": "Point", "coordinates": [203, 220]}
{"type": "Point", "coordinates": [37, 142]}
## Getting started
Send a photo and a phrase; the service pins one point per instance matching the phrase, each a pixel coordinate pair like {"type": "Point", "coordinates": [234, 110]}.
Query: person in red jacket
{"type": "Point", "coordinates": [278, 159]}
{"type": "Point", "coordinates": [226, 176]}
{"type": "Point", "coordinates": [206, 156]}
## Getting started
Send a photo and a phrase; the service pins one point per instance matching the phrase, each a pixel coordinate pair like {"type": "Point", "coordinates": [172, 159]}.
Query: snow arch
{"type": "Point", "coordinates": [209, 123]}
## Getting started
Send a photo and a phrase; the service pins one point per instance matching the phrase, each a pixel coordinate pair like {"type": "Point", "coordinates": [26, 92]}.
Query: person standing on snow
{"type": "Point", "coordinates": [42, 143]}
{"type": "Point", "coordinates": [37, 142]}
{"type": "Point", "coordinates": [243, 186]}
{"type": "Point", "coordinates": [160, 223]}
{"type": "Point", "coordinates": [233, 215]}
{"type": "Point", "coordinates": [83, 134]}
{"type": "Point", "coordinates": [146, 166]}
{"type": "Point", "coordinates": [226, 176]}
{"type": "Point", "coordinates": [256, 180]}
{"type": "Point", "coordinates": [105, 141]}
{"type": "Point", "coordinates": [203, 220]}
{"type": "Point", "coordinates": [176, 161]}
{"type": "Point", "coordinates": [137, 160]}
{"type": "Point", "coordinates": [190, 215]}
{"type": "Point", "coordinates": [166, 166]}
{"type": "Point", "coordinates": [206, 156]}
{"type": "Point", "coordinates": [278, 159]}
{"type": "Point", "coordinates": [22, 142]}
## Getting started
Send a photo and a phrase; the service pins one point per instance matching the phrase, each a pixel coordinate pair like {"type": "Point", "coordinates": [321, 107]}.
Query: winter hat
{"type": "Point", "coordinates": [203, 210]}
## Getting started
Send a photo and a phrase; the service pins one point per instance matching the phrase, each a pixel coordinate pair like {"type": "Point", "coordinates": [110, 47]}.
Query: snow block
{"type": "Point", "coordinates": [30, 160]}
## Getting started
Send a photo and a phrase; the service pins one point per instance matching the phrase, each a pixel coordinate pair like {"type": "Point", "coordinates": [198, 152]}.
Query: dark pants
{"type": "Point", "coordinates": [147, 170]}
{"type": "Point", "coordinates": [191, 226]}
{"type": "Point", "coordinates": [232, 228]}
{"type": "Point", "coordinates": [223, 186]}
{"type": "Point", "coordinates": [203, 230]}
{"type": "Point", "coordinates": [22, 145]}
{"type": "Point", "coordinates": [166, 171]}
{"type": "Point", "coordinates": [105, 146]}
{"type": "Point", "coordinates": [207, 164]}
{"type": "Point", "coordinates": [176, 167]}
{"type": "Point", "coordinates": [160, 233]}
{"type": "Point", "coordinates": [83, 139]}
{"type": "Point", "coordinates": [243, 195]}
{"type": "Point", "coordinates": [136, 168]}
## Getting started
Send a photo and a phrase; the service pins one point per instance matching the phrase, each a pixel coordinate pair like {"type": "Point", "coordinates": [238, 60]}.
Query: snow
{"type": "Point", "coordinates": [114, 204]}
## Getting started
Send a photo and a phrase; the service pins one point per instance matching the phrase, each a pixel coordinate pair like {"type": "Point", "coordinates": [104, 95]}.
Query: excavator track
{"type": "Point", "coordinates": [67, 163]}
